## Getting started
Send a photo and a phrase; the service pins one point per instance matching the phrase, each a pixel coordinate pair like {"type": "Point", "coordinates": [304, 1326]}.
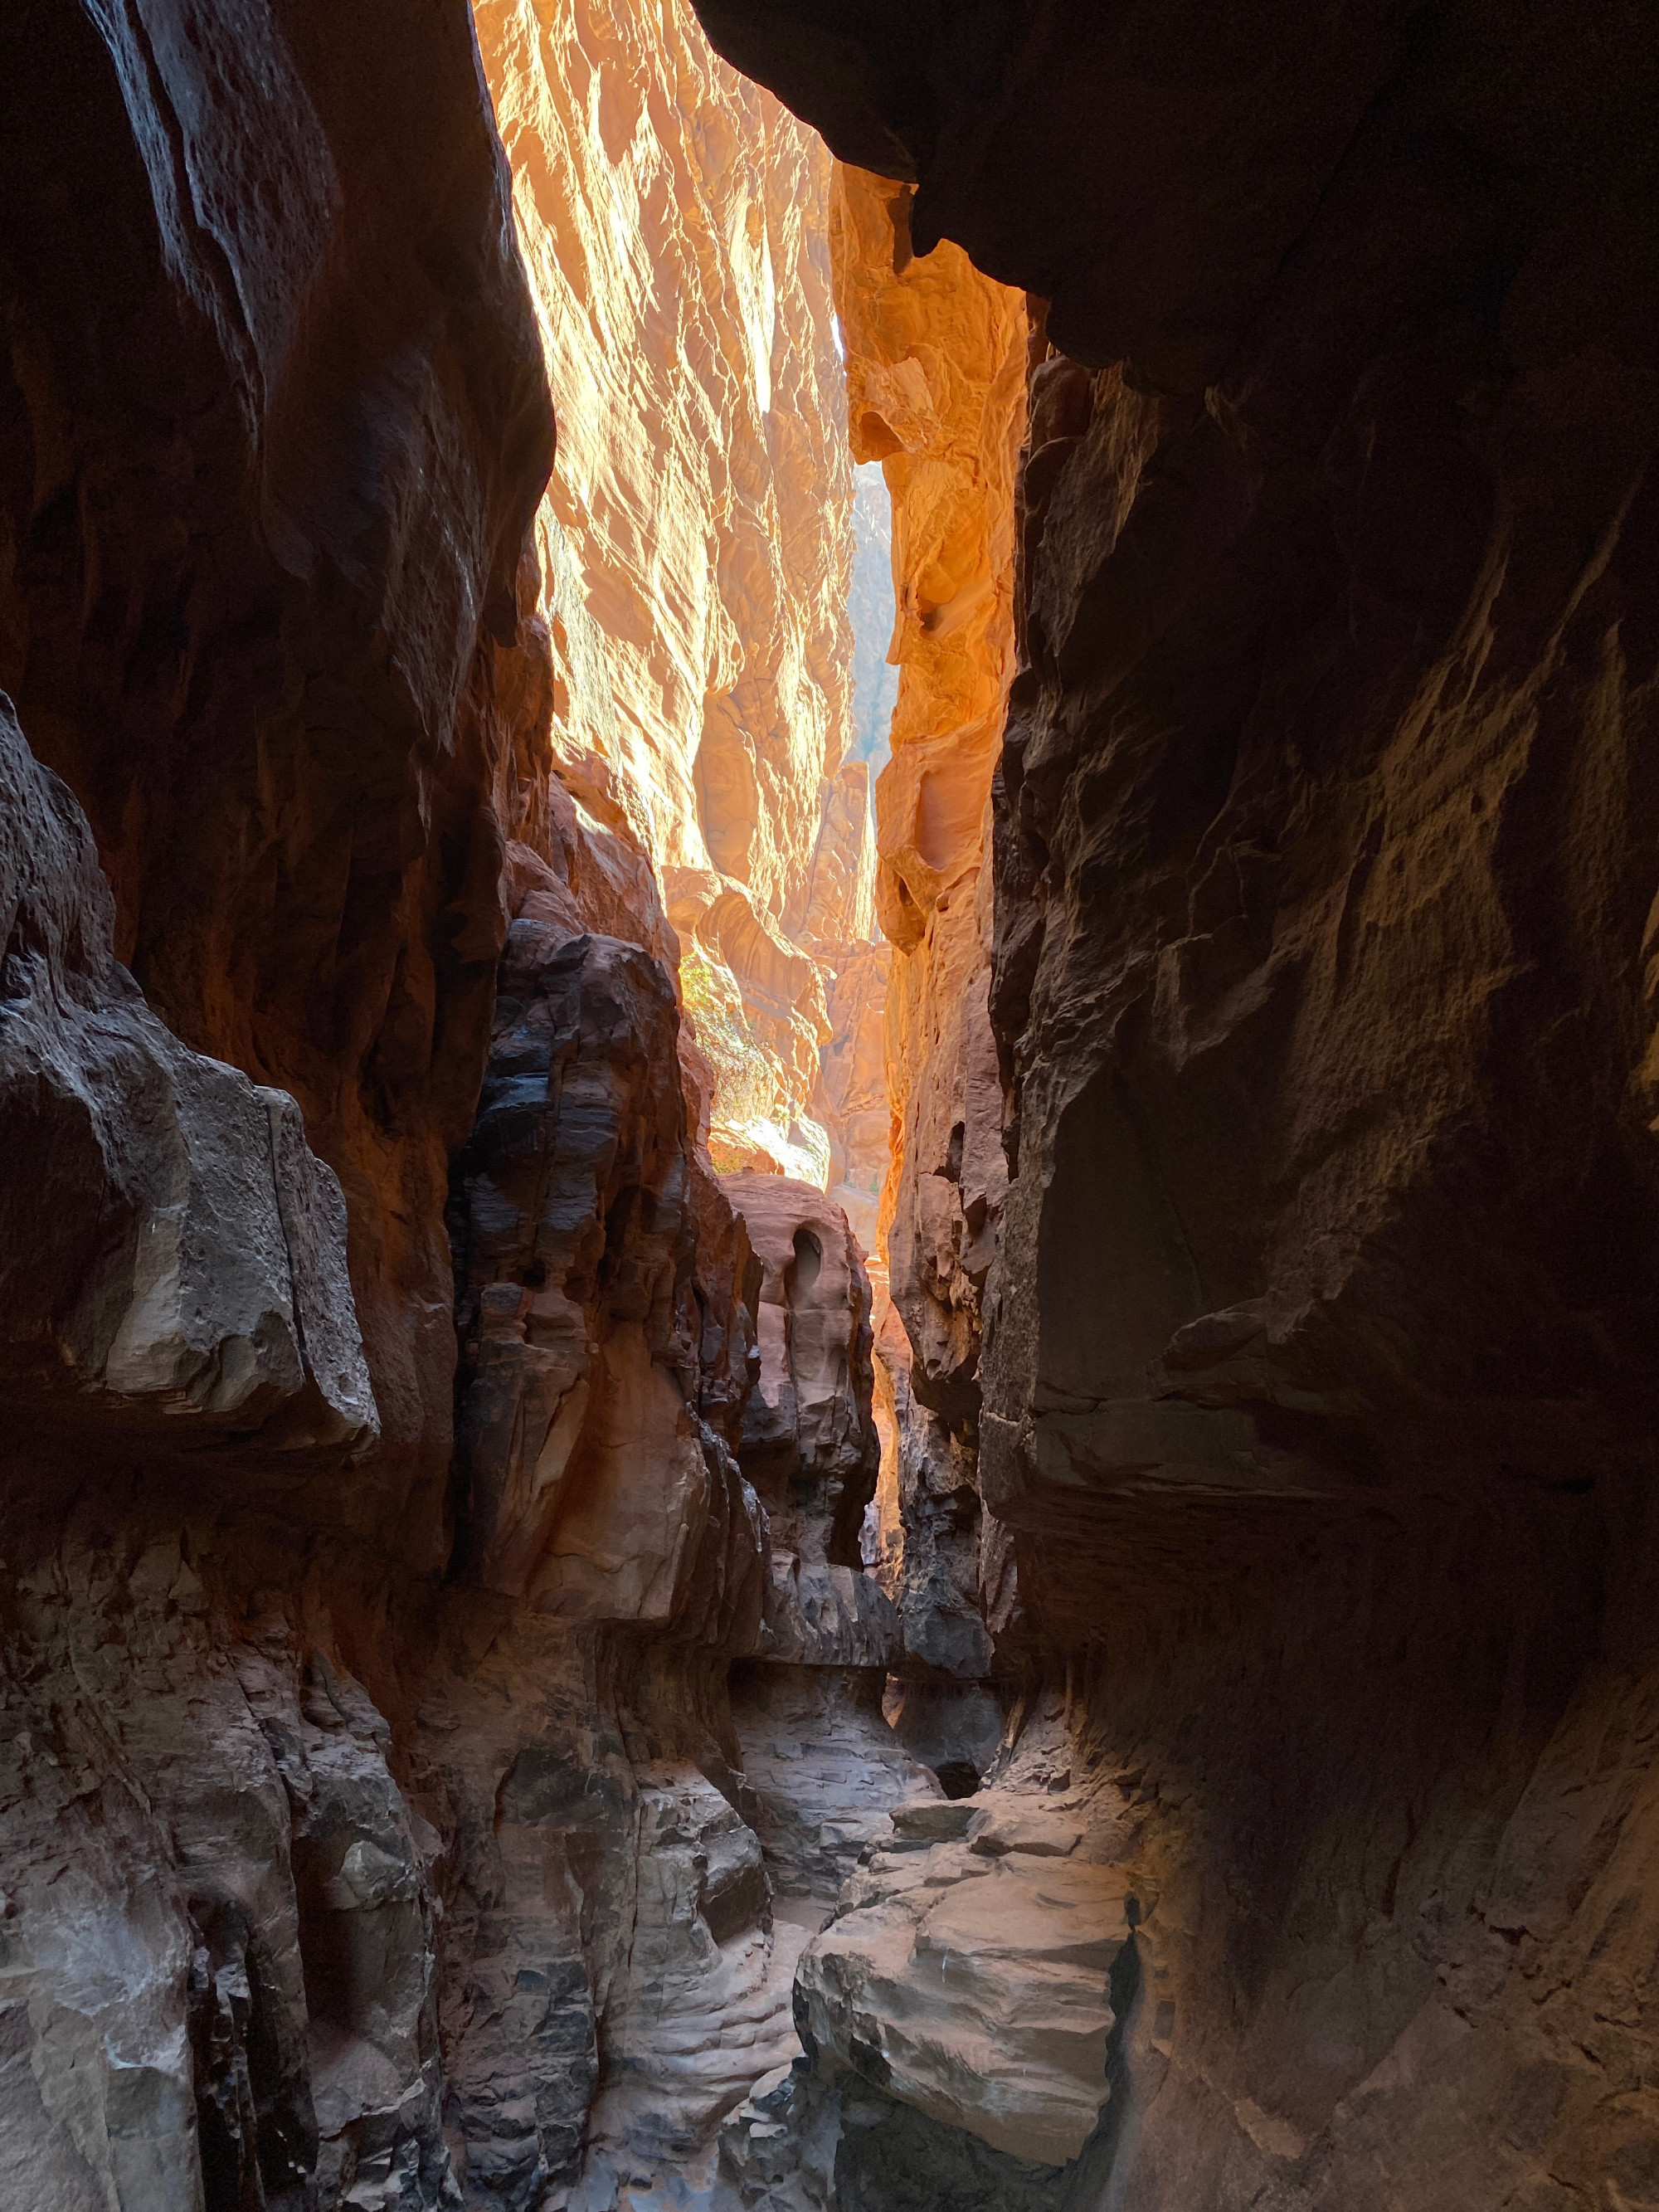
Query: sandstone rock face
{"type": "Point", "coordinates": [808, 1438]}
{"type": "Point", "coordinates": [815, 1751]}
{"type": "Point", "coordinates": [591, 1482]}
{"type": "Point", "coordinates": [386, 1828]}
{"type": "Point", "coordinates": [368, 1838]}
{"type": "Point", "coordinates": [174, 1253]}
{"type": "Point", "coordinates": [1322, 1019]}
{"type": "Point", "coordinates": [853, 1084]}
{"type": "Point", "coordinates": [987, 2008]}
{"type": "Point", "coordinates": [633, 1864]}
{"type": "Point", "coordinates": [927, 1518]}
{"type": "Point", "coordinates": [935, 356]}
{"type": "Point", "coordinates": [219, 1928]}
{"type": "Point", "coordinates": [503, 1926]}
{"type": "Point", "coordinates": [826, 1771]}
{"type": "Point", "coordinates": [695, 540]}
{"type": "Point", "coordinates": [274, 433]}
{"type": "Point", "coordinates": [674, 221]}
{"type": "Point", "coordinates": [975, 1989]}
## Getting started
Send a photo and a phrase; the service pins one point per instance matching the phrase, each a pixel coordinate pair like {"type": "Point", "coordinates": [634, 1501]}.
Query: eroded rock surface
{"type": "Point", "coordinates": [974, 1989]}
{"type": "Point", "coordinates": [1321, 1019]}
{"type": "Point", "coordinates": [808, 1438]}
{"type": "Point", "coordinates": [174, 1254]}
{"type": "Point", "coordinates": [504, 1924]}
{"type": "Point", "coordinates": [374, 1830]}
{"type": "Point", "coordinates": [695, 540]}
{"type": "Point", "coordinates": [594, 1488]}
{"type": "Point", "coordinates": [274, 430]}
{"type": "Point", "coordinates": [386, 1827]}
{"type": "Point", "coordinates": [935, 359]}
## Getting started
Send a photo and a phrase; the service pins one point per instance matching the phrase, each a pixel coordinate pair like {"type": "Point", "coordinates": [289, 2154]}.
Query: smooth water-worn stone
{"type": "Point", "coordinates": [973, 1989]}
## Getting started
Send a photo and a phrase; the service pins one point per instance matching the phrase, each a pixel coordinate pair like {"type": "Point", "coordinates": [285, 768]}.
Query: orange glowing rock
{"type": "Point", "coordinates": [695, 539]}
{"type": "Point", "coordinates": [936, 392]}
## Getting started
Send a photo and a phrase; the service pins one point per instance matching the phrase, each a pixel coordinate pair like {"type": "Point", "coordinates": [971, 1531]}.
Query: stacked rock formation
{"type": "Point", "coordinates": [696, 542]}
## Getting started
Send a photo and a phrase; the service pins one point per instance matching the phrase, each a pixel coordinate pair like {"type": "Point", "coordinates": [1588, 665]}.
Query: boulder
{"type": "Point", "coordinates": [975, 1988]}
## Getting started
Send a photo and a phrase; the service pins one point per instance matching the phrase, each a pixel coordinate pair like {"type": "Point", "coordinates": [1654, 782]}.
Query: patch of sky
{"type": "Point", "coordinates": [870, 609]}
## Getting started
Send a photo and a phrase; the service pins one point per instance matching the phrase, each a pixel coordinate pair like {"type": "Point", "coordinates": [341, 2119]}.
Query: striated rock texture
{"type": "Point", "coordinates": [175, 1253]}
{"type": "Point", "coordinates": [592, 1482]}
{"type": "Point", "coordinates": [328, 1885]}
{"type": "Point", "coordinates": [606, 2015]}
{"type": "Point", "coordinates": [808, 1438]}
{"type": "Point", "coordinates": [1323, 1315]}
{"type": "Point", "coordinates": [674, 220]}
{"type": "Point", "coordinates": [696, 539]}
{"type": "Point", "coordinates": [971, 1977]}
{"type": "Point", "coordinates": [442, 1758]}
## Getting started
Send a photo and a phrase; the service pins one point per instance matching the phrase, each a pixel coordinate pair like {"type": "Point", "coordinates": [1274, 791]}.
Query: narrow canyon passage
{"type": "Point", "coordinates": [827, 1267]}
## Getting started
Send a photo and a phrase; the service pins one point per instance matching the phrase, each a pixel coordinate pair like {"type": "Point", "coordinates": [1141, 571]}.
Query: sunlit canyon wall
{"type": "Point", "coordinates": [936, 395]}
{"type": "Point", "coordinates": [695, 546]}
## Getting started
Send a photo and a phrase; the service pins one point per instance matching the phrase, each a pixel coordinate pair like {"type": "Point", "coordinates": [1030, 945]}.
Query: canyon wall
{"type": "Point", "coordinates": [273, 432]}
{"type": "Point", "coordinates": [936, 393]}
{"type": "Point", "coordinates": [694, 543]}
{"type": "Point", "coordinates": [1318, 1359]}
{"type": "Point", "coordinates": [393, 1396]}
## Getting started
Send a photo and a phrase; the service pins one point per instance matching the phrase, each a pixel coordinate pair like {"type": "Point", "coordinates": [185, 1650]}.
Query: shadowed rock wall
{"type": "Point", "coordinates": [1322, 1318]}
{"type": "Point", "coordinates": [372, 1821]}
{"type": "Point", "coordinates": [273, 432]}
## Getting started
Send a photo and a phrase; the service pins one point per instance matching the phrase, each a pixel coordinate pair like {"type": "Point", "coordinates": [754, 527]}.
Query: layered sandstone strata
{"type": "Point", "coordinates": [973, 1958]}
{"type": "Point", "coordinates": [695, 543]}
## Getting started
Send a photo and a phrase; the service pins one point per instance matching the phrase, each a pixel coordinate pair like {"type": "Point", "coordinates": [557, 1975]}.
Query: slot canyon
{"type": "Point", "coordinates": [829, 1106]}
